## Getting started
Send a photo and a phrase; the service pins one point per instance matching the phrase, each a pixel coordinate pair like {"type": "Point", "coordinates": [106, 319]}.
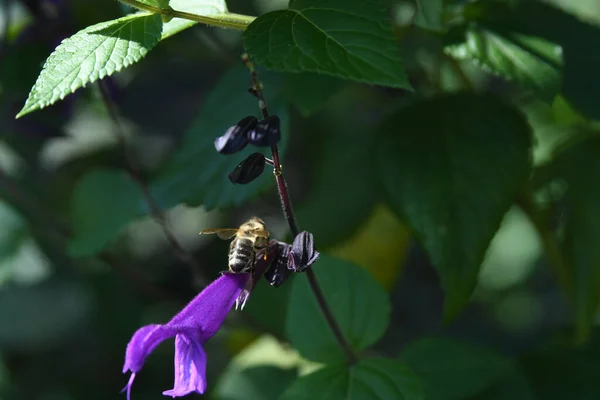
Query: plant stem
{"type": "Point", "coordinates": [136, 175]}
{"type": "Point", "coordinates": [288, 211]}
{"type": "Point", "coordinates": [227, 20]}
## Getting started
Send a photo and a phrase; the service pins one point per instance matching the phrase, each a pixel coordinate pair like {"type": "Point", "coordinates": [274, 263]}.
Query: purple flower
{"type": "Point", "coordinates": [191, 327]}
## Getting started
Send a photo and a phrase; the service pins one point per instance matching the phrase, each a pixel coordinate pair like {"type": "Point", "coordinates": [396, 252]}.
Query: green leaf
{"type": "Point", "coordinates": [345, 171]}
{"type": "Point", "coordinates": [429, 14]}
{"type": "Point", "coordinates": [452, 370]}
{"type": "Point", "coordinates": [205, 8]}
{"type": "Point", "coordinates": [196, 174]}
{"type": "Point", "coordinates": [263, 382]}
{"type": "Point", "coordinates": [102, 203]}
{"type": "Point", "coordinates": [91, 54]}
{"type": "Point", "coordinates": [310, 92]}
{"type": "Point", "coordinates": [369, 379]}
{"type": "Point", "coordinates": [358, 303]}
{"type": "Point", "coordinates": [452, 166]}
{"type": "Point", "coordinates": [346, 39]}
{"type": "Point", "coordinates": [579, 168]}
{"type": "Point", "coordinates": [579, 42]}
{"type": "Point", "coordinates": [530, 61]}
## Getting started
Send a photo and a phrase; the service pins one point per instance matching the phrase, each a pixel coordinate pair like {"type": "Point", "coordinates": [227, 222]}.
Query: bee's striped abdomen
{"type": "Point", "coordinates": [241, 255]}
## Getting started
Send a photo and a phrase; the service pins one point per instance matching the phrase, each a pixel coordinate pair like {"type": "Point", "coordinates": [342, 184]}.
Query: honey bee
{"type": "Point", "coordinates": [250, 237]}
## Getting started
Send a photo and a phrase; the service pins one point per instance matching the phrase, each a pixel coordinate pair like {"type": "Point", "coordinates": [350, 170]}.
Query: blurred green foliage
{"type": "Point", "coordinates": [444, 154]}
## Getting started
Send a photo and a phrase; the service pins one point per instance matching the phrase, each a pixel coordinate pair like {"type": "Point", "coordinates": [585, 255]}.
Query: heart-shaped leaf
{"type": "Point", "coordinates": [369, 379]}
{"type": "Point", "coordinates": [346, 39]}
{"type": "Point", "coordinates": [359, 304]}
{"type": "Point", "coordinates": [452, 167]}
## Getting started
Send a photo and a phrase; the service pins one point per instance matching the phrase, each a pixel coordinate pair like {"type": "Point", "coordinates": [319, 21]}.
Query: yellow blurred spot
{"type": "Point", "coordinates": [379, 246]}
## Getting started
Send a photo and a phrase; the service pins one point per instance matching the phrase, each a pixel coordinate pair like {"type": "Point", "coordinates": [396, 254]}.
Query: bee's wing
{"type": "Point", "coordinates": [222, 233]}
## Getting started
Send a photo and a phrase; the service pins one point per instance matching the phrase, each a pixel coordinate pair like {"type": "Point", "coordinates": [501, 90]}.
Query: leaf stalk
{"type": "Point", "coordinates": [227, 20]}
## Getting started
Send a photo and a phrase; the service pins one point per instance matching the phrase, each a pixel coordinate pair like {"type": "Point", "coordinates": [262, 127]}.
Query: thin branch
{"type": "Point", "coordinates": [136, 175]}
{"type": "Point", "coordinates": [288, 211]}
{"type": "Point", "coordinates": [228, 20]}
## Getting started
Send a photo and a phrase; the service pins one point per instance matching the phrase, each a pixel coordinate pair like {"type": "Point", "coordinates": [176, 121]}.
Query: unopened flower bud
{"type": "Point", "coordinates": [303, 253]}
{"type": "Point", "coordinates": [249, 169]}
{"type": "Point", "coordinates": [266, 132]}
{"type": "Point", "coordinates": [236, 137]}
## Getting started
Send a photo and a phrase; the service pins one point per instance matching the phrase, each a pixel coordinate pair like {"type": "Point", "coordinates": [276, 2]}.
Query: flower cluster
{"type": "Point", "coordinates": [249, 130]}
{"type": "Point", "coordinates": [200, 320]}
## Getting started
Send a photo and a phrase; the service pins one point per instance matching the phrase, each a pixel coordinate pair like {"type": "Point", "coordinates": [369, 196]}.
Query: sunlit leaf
{"type": "Point", "coordinates": [451, 167]}
{"type": "Point", "coordinates": [370, 379]}
{"type": "Point", "coordinates": [359, 304]}
{"type": "Point", "coordinates": [577, 38]}
{"type": "Point", "coordinates": [346, 39]}
{"type": "Point", "coordinates": [530, 61]}
{"type": "Point", "coordinates": [91, 54]}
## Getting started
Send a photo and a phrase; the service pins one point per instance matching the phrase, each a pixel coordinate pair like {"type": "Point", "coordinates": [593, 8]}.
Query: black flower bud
{"type": "Point", "coordinates": [236, 137]}
{"type": "Point", "coordinates": [266, 132]}
{"type": "Point", "coordinates": [249, 169]}
{"type": "Point", "coordinates": [279, 270]}
{"type": "Point", "coordinates": [303, 253]}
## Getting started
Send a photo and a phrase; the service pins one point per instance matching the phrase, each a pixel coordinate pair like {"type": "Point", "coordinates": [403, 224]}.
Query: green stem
{"type": "Point", "coordinates": [227, 20]}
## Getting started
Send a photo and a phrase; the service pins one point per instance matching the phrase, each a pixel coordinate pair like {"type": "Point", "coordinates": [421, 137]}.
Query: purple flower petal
{"type": "Point", "coordinates": [190, 367]}
{"type": "Point", "coordinates": [207, 311]}
{"type": "Point", "coordinates": [192, 327]}
{"type": "Point", "coordinates": [142, 343]}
